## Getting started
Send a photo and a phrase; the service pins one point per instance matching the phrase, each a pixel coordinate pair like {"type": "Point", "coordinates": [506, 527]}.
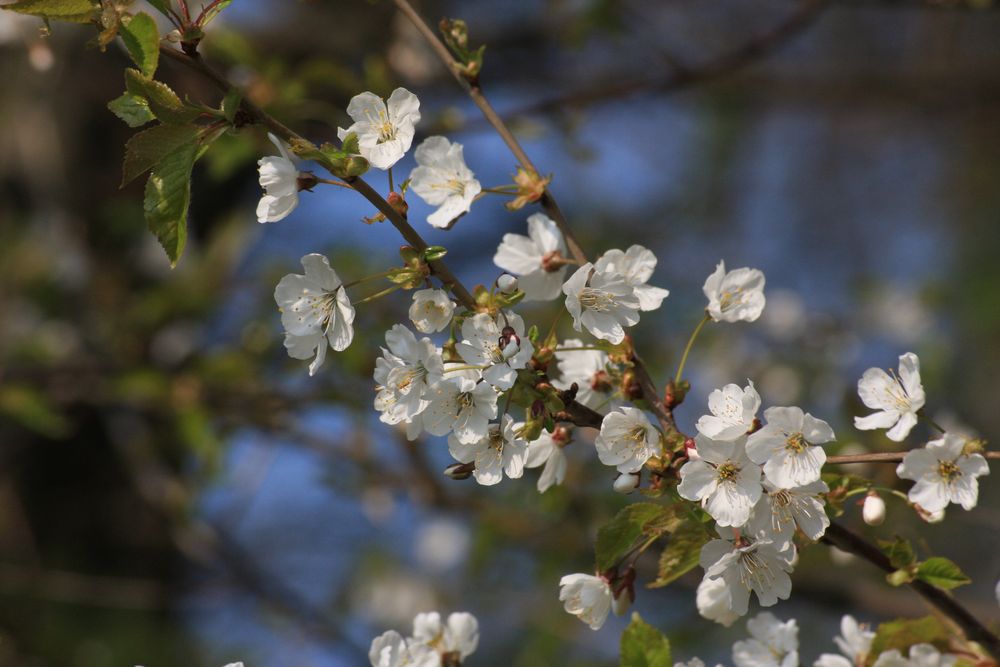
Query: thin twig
{"type": "Point", "coordinates": [475, 91]}
{"type": "Point", "coordinates": [885, 457]}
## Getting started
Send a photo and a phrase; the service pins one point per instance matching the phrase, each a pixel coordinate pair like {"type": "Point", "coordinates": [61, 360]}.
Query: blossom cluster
{"type": "Point", "coordinates": [435, 642]}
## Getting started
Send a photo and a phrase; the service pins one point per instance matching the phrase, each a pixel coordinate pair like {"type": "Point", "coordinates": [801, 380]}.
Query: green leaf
{"type": "Point", "coordinates": [615, 538]}
{"type": "Point", "coordinates": [903, 633]}
{"type": "Point", "coordinates": [163, 102]}
{"type": "Point", "coordinates": [642, 645]}
{"type": "Point", "coordinates": [132, 109]}
{"type": "Point", "coordinates": [942, 573]}
{"type": "Point", "coordinates": [168, 194]}
{"type": "Point", "coordinates": [350, 144]}
{"type": "Point", "coordinates": [147, 148]}
{"type": "Point", "coordinates": [79, 11]}
{"type": "Point", "coordinates": [231, 104]}
{"type": "Point", "coordinates": [899, 551]}
{"type": "Point", "coordinates": [33, 410]}
{"type": "Point", "coordinates": [683, 551]}
{"type": "Point", "coordinates": [207, 17]}
{"type": "Point", "coordinates": [142, 39]}
{"type": "Point", "coordinates": [162, 6]}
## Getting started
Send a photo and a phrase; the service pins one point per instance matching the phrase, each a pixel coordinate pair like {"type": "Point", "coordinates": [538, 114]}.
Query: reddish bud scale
{"type": "Point", "coordinates": [397, 202]}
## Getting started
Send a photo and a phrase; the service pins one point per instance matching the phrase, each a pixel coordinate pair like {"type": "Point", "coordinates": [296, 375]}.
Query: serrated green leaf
{"type": "Point", "coordinates": [903, 633]}
{"type": "Point", "coordinates": [942, 573]}
{"type": "Point", "coordinates": [163, 101]}
{"type": "Point", "coordinates": [615, 538]}
{"type": "Point", "coordinates": [168, 195]}
{"type": "Point", "coordinates": [79, 11]}
{"type": "Point", "coordinates": [899, 551]}
{"type": "Point", "coordinates": [642, 645]}
{"type": "Point", "coordinates": [132, 109]}
{"type": "Point", "coordinates": [142, 39]}
{"type": "Point", "coordinates": [682, 552]}
{"type": "Point", "coordinates": [350, 144]}
{"type": "Point", "coordinates": [145, 149]}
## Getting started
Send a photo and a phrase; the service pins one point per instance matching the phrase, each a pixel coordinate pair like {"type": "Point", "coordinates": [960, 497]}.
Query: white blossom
{"type": "Point", "coordinates": [943, 474]}
{"type": "Point", "coordinates": [773, 643]}
{"type": "Point", "coordinates": [627, 440]}
{"type": "Point", "coordinates": [855, 641]}
{"type": "Point", "coordinates": [506, 283]}
{"type": "Point", "coordinates": [736, 295]}
{"type": "Point", "coordinates": [786, 446]}
{"type": "Point", "coordinates": [780, 511]}
{"type": "Point", "coordinates": [587, 597]}
{"type": "Point", "coordinates": [431, 310]}
{"type": "Point", "coordinates": [898, 398]}
{"type": "Point", "coordinates": [384, 131]}
{"type": "Point", "coordinates": [462, 405]}
{"type": "Point", "coordinates": [537, 258]}
{"type": "Point", "coordinates": [714, 602]}
{"type": "Point", "coordinates": [403, 375]}
{"type": "Point", "coordinates": [693, 662]}
{"type": "Point", "coordinates": [500, 354]}
{"type": "Point", "coordinates": [279, 177]}
{"type": "Point", "coordinates": [587, 368]}
{"type": "Point", "coordinates": [547, 451]}
{"type": "Point", "coordinates": [442, 179]}
{"type": "Point", "coordinates": [390, 650]}
{"type": "Point", "coordinates": [602, 302]}
{"type": "Point", "coordinates": [500, 452]}
{"type": "Point", "coordinates": [315, 311]}
{"type": "Point", "coordinates": [921, 655]}
{"type": "Point", "coordinates": [458, 637]}
{"type": "Point", "coordinates": [636, 266]}
{"type": "Point", "coordinates": [627, 482]}
{"type": "Point", "coordinates": [757, 566]}
{"type": "Point", "coordinates": [733, 412]}
{"type": "Point", "coordinates": [723, 479]}
{"type": "Point", "coordinates": [873, 509]}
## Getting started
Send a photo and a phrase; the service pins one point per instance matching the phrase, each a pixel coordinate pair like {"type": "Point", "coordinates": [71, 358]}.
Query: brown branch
{"type": "Point", "coordinates": [652, 395]}
{"type": "Point", "coordinates": [682, 76]}
{"type": "Point", "coordinates": [475, 91]}
{"type": "Point", "coordinates": [886, 457]}
{"type": "Point", "coordinates": [851, 542]}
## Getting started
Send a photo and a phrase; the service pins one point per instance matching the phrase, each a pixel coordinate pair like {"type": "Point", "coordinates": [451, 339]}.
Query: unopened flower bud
{"type": "Point", "coordinates": [601, 381]}
{"type": "Point", "coordinates": [631, 388]}
{"type": "Point", "coordinates": [397, 202]}
{"type": "Point", "coordinates": [627, 482]}
{"type": "Point", "coordinates": [873, 509]}
{"type": "Point", "coordinates": [691, 450]}
{"type": "Point", "coordinates": [460, 471]}
{"type": "Point", "coordinates": [509, 342]}
{"type": "Point", "coordinates": [506, 283]}
{"type": "Point", "coordinates": [561, 436]}
{"type": "Point", "coordinates": [934, 517]}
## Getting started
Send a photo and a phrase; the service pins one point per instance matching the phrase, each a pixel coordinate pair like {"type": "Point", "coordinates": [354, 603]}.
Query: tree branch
{"type": "Point", "coordinates": [886, 457]}
{"type": "Point", "coordinates": [851, 542]}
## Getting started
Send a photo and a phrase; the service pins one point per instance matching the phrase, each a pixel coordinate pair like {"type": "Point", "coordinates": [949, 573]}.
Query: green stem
{"type": "Point", "coordinates": [339, 184]}
{"type": "Point", "coordinates": [687, 349]}
{"type": "Point", "coordinates": [392, 188]}
{"type": "Point", "coordinates": [934, 424]}
{"type": "Point", "coordinates": [374, 276]}
{"type": "Point", "coordinates": [378, 295]}
{"type": "Point", "coordinates": [498, 191]}
{"type": "Point", "coordinates": [463, 368]}
{"type": "Point", "coordinates": [576, 349]}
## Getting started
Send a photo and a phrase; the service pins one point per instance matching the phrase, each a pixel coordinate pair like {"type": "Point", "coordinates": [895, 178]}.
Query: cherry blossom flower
{"type": "Point", "coordinates": [537, 258]}
{"type": "Point", "coordinates": [547, 450]}
{"type": "Point", "coordinates": [855, 641]}
{"type": "Point", "coordinates": [736, 295]}
{"type": "Point", "coordinates": [460, 404]}
{"type": "Point", "coordinates": [898, 398]}
{"type": "Point", "coordinates": [772, 644]}
{"type": "Point", "coordinates": [442, 179]}
{"type": "Point", "coordinates": [714, 602]}
{"type": "Point", "coordinates": [779, 511]}
{"type": "Point", "coordinates": [384, 130]}
{"type": "Point", "coordinates": [431, 310]}
{"type": "Point", "coordinates": [636, 266]}
{"type": "Point", "coordinates": [390, 650]}
{"type": "Point", "coordinates": [315, 311]}
{"type": "Point", "coordinates": [587, 597]}
{"type": "Point", "coordinates": [745, 566]}
{"type": "Point", "coordinates": [496, 344]}
{"type": "Point", "coordinates": [723, 479]}
{"type": "Point", "coordinates": [498, 453]}
{"type": "Point", "coordinates": [280, 179]}
{"type": "Point", "coordinates": [786, 446]}
{"type": "Point", "coordinates": [601, 301]}
{"type": "Point", "coordinates": [453, 640]}
{"type": "Point", "coordinates": [733, 412]}
{"type": "Point", "coordinates": [403, 375]}
{"type": "Point", "coordinates": [943, 474]}
{"type": "Point", "coordinates": [587, 368]}
{"type": "Point", "coordinates": [921, 655]}
{"type": "Point", "coordinates": [627, 440]}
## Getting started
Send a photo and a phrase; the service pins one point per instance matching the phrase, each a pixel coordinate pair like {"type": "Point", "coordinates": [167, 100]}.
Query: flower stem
{"type": "Point", "coordinates": [378, 295]}
{"type": "Point", "coordinates": [687, 349]}
{"type": "Point", "coordinates": [392, 187]}
{"type": "Point", "coordinates": [498, 191]}
{"type": "Point", "coordinates": [339, 184]}
{"type": "Point", "coordinates": [463, 368]}
{"type": "Point", "coordinates": [934, 424]}
{"type": "Point", "coordinates": [576, 349]}
{"type": "Point", "coordinates": [374, 276]}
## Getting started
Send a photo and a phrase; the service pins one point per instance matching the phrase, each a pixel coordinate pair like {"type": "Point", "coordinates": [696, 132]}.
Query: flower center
{"type": "Point", "coordinates": [728, 471]}
{"type": "Point", "coordinates": [731, 297]}
{"type": "Point", "coordinates": [796, 442]}
{"type": "Point", "coordinates": [755, 573]}
{"type": "Point", "coordinates": [948, 471]}
{"type": "Point", "coordinates": [496, 438]}
{"type": "Point", "coordinates": [595, 299]}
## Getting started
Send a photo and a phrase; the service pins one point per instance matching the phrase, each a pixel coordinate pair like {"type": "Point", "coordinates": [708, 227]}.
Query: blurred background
{"type": "Point", "coordinates": [174, 490]}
